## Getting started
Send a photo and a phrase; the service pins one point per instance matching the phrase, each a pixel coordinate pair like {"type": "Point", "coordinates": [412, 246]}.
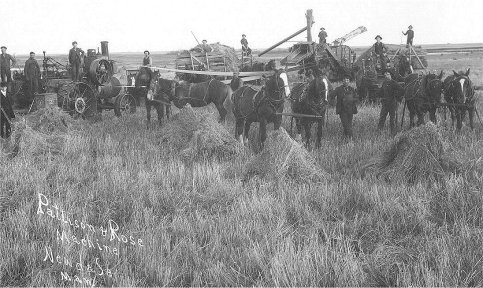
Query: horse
{"type": "Point", "coordinates": [459, 94]}
{"type": "Point", "coordinates": [145, 86]}
{"type": "Point", "coordinates": [312, 100]}
{"type": "Point", "coordinates": [201, 94]}
{"type": "Point", "coordinates": [258, 105]}
{"type": "Point", "coordinates": [423, 94]}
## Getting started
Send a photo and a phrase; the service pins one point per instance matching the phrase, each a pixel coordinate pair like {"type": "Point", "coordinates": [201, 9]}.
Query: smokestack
{"type": "Point", "coordinates": [105, 48]}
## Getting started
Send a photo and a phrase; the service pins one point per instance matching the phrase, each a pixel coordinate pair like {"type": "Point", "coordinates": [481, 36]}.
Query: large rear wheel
{"type": "Point", "coordinates": [125, 103]}
{"type": "Point", "coordinates": [78, 99]}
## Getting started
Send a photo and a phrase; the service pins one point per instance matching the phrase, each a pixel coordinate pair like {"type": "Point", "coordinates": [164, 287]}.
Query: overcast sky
{"type": "Point", "coordinates": [131, 26]}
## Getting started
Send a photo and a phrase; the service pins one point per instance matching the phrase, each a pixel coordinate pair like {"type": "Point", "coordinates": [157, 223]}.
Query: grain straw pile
{"type": "Point", "coordinates": [196, 133]}
{"type": "Point", "coordinates": [284, 157]}
{"type": "Point", "coordinates": [420, 154]}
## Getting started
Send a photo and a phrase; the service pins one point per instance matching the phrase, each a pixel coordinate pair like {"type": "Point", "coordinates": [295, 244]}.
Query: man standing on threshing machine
{"type": "Point", "coordinates": [245, 47]}
{"type": "Point", "coordinates": [391, 93]}
{"type": "Point", "coordinates": [5, 61]}
{"type": "Point", "coordinates": [6, 112]}
{"type": "Point", "coordinates": [147, 60]}
{"type": "Point", "coordinates": [410, 33]}
{"type": "Point", "coordinates": [322, 36]}
{"type": "Point", "coordinates": [380, 50]}
{"type": "Point", "coordinates": [205, 47]}
{"type": "Point", "coordinates": [76, 57]}
{"type": "Point", "coordinates": [346, 105]}
{"type": "Point", "coordinates": [32, 74]}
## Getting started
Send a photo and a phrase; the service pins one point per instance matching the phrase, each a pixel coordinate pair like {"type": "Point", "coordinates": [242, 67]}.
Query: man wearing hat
{"type": "Point", "coordinates": [380, 50]}
{"type": "Point", "coordinates": [391, 93]}
{"type": "Point", "coordinates": [76, 57]}
{"type": "Point", "coordinates": [147, 61]}
{"type": "Point", "coordinates": [236, 82]}
{"type": "Point", "coordinates": [410, 33]}
{"type": "Point", "coordinates": [245, 47]}
{"type": "Point", "coordinates": [205, 47]}
{"type": "Point", "coordinates": [32, 74]}
{"type": "Point", "coordinates": [6, 112]}
{"type": "Point", "coordinates": [322, 36]}
{"type": "Point", "coordinates": [346, 104]}
{"type": "Point", "coordinates": [5, 61]}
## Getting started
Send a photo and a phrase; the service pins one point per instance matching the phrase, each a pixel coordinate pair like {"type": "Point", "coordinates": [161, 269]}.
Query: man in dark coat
{"type": "Point", "coordinates": [410, 33]}
{"type": "Point", "coordinates": [32, 74]}
{"type": "Point", "coordinates": [6, 60]}
{"type": "Point", "coordinates": [245, 47]}
{"type": "Point", "coordinates": [76, 56]}
{"type": "Point", "coordinates": [346, 105]}
{"type": "Point", "coordinates": [236, 82]}
{"type": "Point", "coordinates": [380, 50]}
{"type": "Point", "coordinates": [6, 112]}
{"type": "Point", "coordinates": [391, 93]}
{"type": "Point", "coordinates": [322, 36]}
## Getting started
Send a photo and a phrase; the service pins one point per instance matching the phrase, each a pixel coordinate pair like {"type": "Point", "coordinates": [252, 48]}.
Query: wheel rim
{"type": "Point", "coordinates": [82, 97]}
{"type": "Point", "coordinates": [80, 105]}
{"type": "Point", "coordinates": [126, 104]}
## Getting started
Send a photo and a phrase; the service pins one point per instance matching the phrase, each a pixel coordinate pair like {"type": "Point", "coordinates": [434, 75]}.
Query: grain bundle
{"type": "Point", "coordinates": [420, 154]}
{"type": "Point", "coordinates": [283, 157]}
{"type": "Point", "coordinates": [41, 132]}
{"type": "Point", "coordinates": [195, 133]}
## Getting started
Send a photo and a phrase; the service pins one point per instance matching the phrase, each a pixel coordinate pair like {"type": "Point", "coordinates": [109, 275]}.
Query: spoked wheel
{"type": "Point", "coordinates": [124, 104]}
{"type": "Point", "coordinates": [78, 98]}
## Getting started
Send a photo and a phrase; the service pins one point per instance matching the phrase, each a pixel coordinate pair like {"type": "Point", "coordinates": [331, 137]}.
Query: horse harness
{"type": "Point", "coordinates": [418, 82]}
{"type": "Point", "coordinates": [189, 93]}
{"type": "Point", "coordinates": [467, 98]}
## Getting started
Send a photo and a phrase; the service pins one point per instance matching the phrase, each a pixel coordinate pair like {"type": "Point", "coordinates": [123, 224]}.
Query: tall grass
{"type": "Point", "coordinates": [201, 225]}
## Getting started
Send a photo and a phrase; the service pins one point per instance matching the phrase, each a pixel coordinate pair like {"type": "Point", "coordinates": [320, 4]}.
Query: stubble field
{"type": "Point", "coordinates": [141, 216]}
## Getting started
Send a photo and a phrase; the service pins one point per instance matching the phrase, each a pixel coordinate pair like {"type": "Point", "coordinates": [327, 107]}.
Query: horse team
{"type": "Point", "coordinates": [264, 104]}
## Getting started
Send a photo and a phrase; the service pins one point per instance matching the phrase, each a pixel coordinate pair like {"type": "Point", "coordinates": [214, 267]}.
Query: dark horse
{"type": "Point", "coordinates": [154, 94]}
{"type": "Point", "coordinates": [253, 105]}
{"type": "Point", "coordinates": [459, 94]}
{"type": "Point", "coordinates": [201, 94]}
{"type": "Point", "coordinates": [423, 94]}
{"type": "Point", "coordinates": [312, 100]}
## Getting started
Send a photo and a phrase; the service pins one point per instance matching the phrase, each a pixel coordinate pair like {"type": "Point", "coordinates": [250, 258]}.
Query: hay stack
{"type": "Point", "coordinates": [232, 61]}
{"type": "Point", "coordinates": [420, 154]}
{"type": "Point", "coordinates": [194, 133]}
{"type": "Point", "coordinates": [284, 157]}
{"type": "Point", "coordinates": [41, 132]}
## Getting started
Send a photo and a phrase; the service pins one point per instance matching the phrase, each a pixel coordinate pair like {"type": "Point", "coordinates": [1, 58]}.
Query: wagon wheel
{"type": "Point", "coordinates": [78, 98]}
{"type": "Point", "coordinates": [124, 104]}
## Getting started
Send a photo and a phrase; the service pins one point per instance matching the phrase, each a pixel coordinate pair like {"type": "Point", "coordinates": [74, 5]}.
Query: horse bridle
{"type": "Point", "coordinates": [169, 92]}
{"type": "Point", "coordinates": [274, 102]}
{"type": "Point", "coordinates": [471, 90]}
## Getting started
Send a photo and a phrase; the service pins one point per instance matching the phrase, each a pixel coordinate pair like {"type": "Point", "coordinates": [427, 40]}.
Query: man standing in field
{"type": "Point", "coordinates": [147, 60]}
{"type": "Point", "coordinates": [76, 57]}
{"type": "Point", "coordinates": [410, 33]}
{"type": "Point", "coordinates": [322, 36]}
{"type": "Point", "coordinates": [380, 50]}
{"type": "Point", "coordinates": [245, 47]}
{"type": "Point", "coordinates": [5, 63]}
{"type": "Point", "coordinates": [391, 93]}
{"type": "Point", "coordinates": [6, 112]}
{"type": "Point", "coordinates": [32, 75]}
{"type": "Point", "coordinates": [346, 105]}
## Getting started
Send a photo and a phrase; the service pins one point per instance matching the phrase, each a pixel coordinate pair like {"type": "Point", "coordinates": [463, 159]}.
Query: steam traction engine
{"type": "Point", "coordinates": [101, 88]}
